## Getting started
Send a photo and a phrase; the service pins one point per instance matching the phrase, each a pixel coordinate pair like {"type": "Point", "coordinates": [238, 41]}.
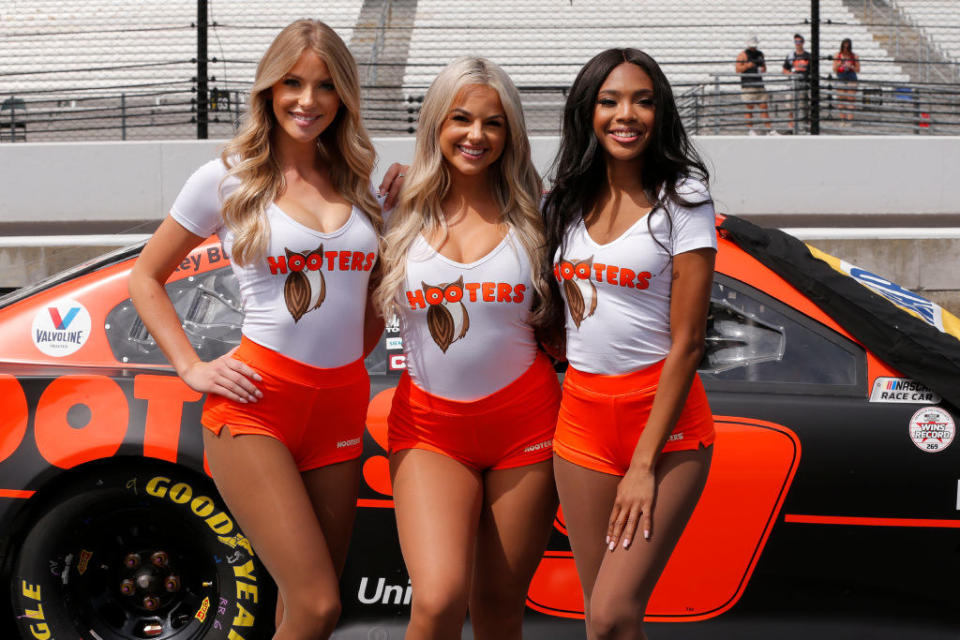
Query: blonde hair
{"type": "Point", "coordinates": [516, 185]}
{"type": "Point", "coordinates": [344, 145]}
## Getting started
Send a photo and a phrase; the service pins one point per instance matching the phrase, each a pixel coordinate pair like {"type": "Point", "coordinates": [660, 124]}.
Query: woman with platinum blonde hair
{"type": "Point", "coordinates": [285, 411]}
{"type": "Point", "coordinates": [472, 420]}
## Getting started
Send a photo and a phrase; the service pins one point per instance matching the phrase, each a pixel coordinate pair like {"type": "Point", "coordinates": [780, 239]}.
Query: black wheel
{"type": "Point", "coordinates": [144, 552]}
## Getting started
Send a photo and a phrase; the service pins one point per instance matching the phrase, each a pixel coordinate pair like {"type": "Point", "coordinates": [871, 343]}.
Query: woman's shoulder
{"type": "Point", "coordinates": [693, 189]}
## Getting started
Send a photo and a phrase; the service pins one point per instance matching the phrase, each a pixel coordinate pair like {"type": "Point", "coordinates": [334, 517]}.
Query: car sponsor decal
{"type": "Point", "coordinates": [902, 390]}
{"type": "Point", "coordinates": [84, 561]}
{"type": "Point", "coordinates": [398, 362]}
{"type": "Point", "coordinates": [60, 329]}
{"type": "Point", "coordinates": [916, 305]}
{"type": "Point", "coordinates": [394, 344]}
{"type": "Point", "coordinates": [932, 429]}
{"type": "Point", "coordinates": [201, 614]}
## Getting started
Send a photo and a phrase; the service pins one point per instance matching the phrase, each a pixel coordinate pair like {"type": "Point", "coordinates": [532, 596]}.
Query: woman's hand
{"type": "Point", "coordinates": [225, 376]}
{"type": "Point", "coordinates": [392, 183]}
{"type": "Point", "coordinates": [632, 508]}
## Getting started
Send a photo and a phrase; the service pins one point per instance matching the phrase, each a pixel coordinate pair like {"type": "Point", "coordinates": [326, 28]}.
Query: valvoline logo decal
{"type": "Point", "coordinates": [61, 329]}
{"type": "Point", "coordinates": [914, 304]}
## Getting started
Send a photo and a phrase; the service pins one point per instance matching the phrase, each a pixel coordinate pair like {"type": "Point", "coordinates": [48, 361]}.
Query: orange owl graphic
{"type": "Point", "coordinates": [447, 317]}
{"type": "Point", "coordinates": [578, 289]}
{"type": "Point", "coordinates": [305, 288]}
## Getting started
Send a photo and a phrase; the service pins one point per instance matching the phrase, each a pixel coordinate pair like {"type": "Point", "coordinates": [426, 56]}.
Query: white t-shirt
{"type": "Point", "coordinates": [306, 297]}
{"type": "Point", "coordinates": [464, 326]}
{"type": "Point", "coordinates": [617, 295]}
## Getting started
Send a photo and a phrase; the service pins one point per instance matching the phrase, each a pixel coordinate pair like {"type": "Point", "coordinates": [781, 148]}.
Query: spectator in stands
{"type": "Point", "coordinates": [635, 433]}
{"type": "Point", "coordinates": [285, 412]}
{"type": "Point", "coordinates": [750, 64]}
{"type": "Point", "coordinates": [797, 66]}
{"type": "Point", "coordinates": [846, 64]}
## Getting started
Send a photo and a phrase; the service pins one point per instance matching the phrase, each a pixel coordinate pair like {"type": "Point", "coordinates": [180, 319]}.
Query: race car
{"type": "Point", "coordinates": [831, 507]}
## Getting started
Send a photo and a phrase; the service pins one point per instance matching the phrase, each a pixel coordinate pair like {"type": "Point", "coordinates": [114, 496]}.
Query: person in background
{"type": "Point", "coordinates": [846, 64]}
{"type": "Point", "coordinates": [750, 64]}
{"type": "Point", "coordinates": [797, 66]}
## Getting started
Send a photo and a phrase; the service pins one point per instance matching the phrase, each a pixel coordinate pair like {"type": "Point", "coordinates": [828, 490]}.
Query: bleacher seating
{"type": "Point", "coordinates": [939, 20]}
{"type": "Point", "coordinates": [544, 42]}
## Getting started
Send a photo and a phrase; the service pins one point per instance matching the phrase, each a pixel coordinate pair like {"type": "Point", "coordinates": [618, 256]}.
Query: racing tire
{"type": "Point", "coordinates": [135, 553]}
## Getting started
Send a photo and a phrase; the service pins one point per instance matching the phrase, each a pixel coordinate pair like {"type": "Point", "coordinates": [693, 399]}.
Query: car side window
{"type": "Point", "coordinates": [755, 340]}
{"type": "Point", "coordinates": [210, 310]}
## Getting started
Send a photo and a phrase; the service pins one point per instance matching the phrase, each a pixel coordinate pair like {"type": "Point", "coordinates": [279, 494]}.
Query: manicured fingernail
{"type": "Point", "coordinates": [257, 377]}
{"type": "Point", "coordinates": [612, 545]}
{"type": "Point", "coordinates": [626, 542]}
{"type": "Point", "coordinates": [608, 540]}
{"type": "Point", "coordinates": [646, 534]}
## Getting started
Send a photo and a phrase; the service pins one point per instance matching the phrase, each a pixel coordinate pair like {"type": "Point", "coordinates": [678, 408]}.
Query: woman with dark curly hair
{"type": "Point", "coordinates": [630, 225]}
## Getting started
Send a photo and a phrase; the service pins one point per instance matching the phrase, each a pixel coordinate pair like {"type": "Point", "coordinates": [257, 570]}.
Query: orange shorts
{"type": "Point", "coordinates": [601, 418]}
{"type": "Point", "coordinates": [319, 414]}
{"type": "Point", "coordinates": [511, 427]}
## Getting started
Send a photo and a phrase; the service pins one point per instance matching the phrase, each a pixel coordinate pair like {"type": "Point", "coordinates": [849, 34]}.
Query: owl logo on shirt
{"type": "Point", "coordinates": [305, 288]}
{"type": "Point", "coordinates": [447, 317]}
{"type": "Point", "coordinates": [578, 289]}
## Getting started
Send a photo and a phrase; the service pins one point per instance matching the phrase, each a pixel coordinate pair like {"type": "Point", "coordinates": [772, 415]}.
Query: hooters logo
{"type": "Point", "coordinates": [447, 317]}
{"type": "Point", "coordinates": [578, 289]}
{"type": "Point", "coordinates": [305, 288]}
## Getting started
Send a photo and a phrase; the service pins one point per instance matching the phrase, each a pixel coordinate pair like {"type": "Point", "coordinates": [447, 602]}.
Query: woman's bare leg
{"type": "Point", "coordinates": [519, 506]}
{"type": "Point", "coordinates": [258, 479]}
{"type": "Point", "coordinates": [437, 502]}
{"type": "Point", "coordinates": [333, 492]}
{"type": "Point", "coordinates": [617, 584]}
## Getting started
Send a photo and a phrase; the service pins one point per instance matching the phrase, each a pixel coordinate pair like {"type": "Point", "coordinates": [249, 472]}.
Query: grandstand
{"type": "Point", "coordinates": [939, 20]}
{"type": "Point", "coordinates": [105, 69]}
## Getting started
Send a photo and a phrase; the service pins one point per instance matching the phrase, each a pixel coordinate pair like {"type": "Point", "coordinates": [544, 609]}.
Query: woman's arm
{"type": "Point", "coordinates": [856, 63]}
{"type": "Point", "coordinates": [163, 252]}
{"type": "Point", "coordinates": [689, 303]}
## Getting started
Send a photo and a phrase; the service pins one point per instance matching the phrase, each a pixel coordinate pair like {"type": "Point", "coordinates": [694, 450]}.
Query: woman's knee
{"type": "Point", "coordinates": [439, 606]}
{"type": "Point", "coordinates": [615, 618]}
{"type": "Point", "coordinates": [314, 612]}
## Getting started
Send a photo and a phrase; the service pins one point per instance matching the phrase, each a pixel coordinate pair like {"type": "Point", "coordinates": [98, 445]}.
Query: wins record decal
{"type": "Point", "coordinates": [932, 429]}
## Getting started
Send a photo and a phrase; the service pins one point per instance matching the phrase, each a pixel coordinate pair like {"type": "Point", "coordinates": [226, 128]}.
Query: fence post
{"type": "Point", "coordinates": [202, 98]}
{"type": "Point", "coordinates": [123, 116]}
{"type": "Point", "coordinates": [814, 67]}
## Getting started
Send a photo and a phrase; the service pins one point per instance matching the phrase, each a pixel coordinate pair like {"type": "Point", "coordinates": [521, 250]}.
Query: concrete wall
{"type": "Point", "coordinates": [853, 182]}
{"type": "Point", "coordinates": [875, 178]}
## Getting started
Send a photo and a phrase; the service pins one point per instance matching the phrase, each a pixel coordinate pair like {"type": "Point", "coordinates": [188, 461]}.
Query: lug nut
{"type": "Point", "coordinates": [151, 603]}
{"type": "Point", "coordinates": [160, 558]}
{"type": "Point", "coordinates": [127, 587]}
{"type": "Point", "coordinates": [132, 561]}
{"type": "Point", "coordinates": [172, 584]}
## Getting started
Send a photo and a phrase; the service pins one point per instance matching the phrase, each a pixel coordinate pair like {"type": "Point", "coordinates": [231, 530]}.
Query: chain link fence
{"type": "Point", "coordinates": [111, 70]}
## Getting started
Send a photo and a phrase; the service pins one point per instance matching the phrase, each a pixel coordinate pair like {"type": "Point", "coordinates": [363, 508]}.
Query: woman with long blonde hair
{"type": "Point", "coordinates": [472, 420]}
{"type": "Point", "coordinates": [290, 200]}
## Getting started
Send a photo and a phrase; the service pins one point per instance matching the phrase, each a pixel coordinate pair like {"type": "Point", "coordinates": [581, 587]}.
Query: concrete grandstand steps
{"type": "Point", "coordinates": [380, 43]}
{"type": "Point", "coordinates": [938, 20]}
{"type": "Point", "coordinates": [897, 29]}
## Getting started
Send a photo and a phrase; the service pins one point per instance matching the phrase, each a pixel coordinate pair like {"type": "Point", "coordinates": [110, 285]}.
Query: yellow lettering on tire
{"type": "Point", "coordinates": [31, 591]}
{"type": "Point", "coordinates": [244, 618]}
{"type": "Point", "coordinates": [154, 488]}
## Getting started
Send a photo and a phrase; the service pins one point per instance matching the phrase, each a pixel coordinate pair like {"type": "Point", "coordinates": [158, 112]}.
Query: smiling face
{"type": "Point", "coordinates": [625, 112]}
{"type": "Point", "coordinates": [474, 131]}
{"type": "Point", "coordinates": [305, 101]}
